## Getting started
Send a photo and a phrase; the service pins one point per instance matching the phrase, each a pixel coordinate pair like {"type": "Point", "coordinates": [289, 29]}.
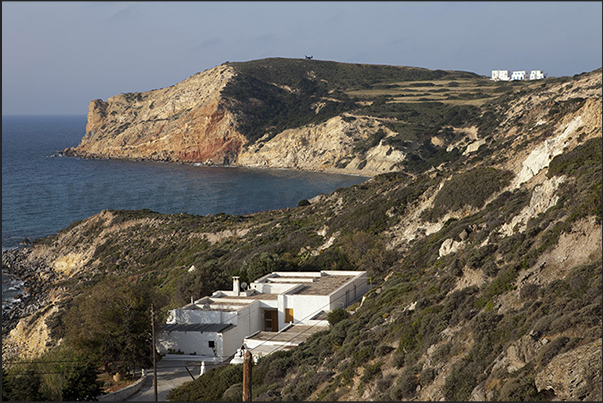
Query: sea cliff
{"type": "Point", "coordinates": [187, 122]}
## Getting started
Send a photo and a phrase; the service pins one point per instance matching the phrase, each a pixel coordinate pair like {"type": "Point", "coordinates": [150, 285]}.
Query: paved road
{"type": "Point", "coordinates": [171, 373]}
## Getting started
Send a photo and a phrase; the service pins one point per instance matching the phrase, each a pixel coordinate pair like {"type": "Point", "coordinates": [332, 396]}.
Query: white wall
{"type": "Point", "coordinates": [355, 288]}
{"type": "Point", "coordinates": [232, 340]}
{"type": "Point", "coordinates": [250, 320]}
{"type": "Point", "coordinates": [502, 75]}
{"type": "Point", "coordinates": [189, 342]}
{"type": "Point", "coordinates": [519, 75]}
{"type": "Point", "coordinates": [202, 316]}
{"type": "Point", "coordinates": [304, 307]}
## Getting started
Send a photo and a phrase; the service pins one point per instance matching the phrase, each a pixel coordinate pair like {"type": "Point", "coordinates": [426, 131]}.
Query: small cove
{"type": "Point", "coordinates": [43, 193]}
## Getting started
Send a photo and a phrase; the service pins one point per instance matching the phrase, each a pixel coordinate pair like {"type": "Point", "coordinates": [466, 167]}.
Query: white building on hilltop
{"type": "Point", "coordinates": [537, 75]}
{"type": "Point", "coordinates": [282, 307]}
{"type": "Point", "coordinates": [519, 75]}
{"type": "Point", "coordinates": [500, 75]}
{"type": "Point", "coordinates": [503, 75]}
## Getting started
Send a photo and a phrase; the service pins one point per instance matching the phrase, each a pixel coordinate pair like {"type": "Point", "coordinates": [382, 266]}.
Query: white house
{"type": "Point", "coordinates": [519, 75]}
{"type": "Point", "coordinates": [537, 75]}
{"type": "Point", "coordinates": [216, 326]}
{"type": "Point", "coordinates": [503, 75]}
{"type": "Point", "coordinates": [500, 75]}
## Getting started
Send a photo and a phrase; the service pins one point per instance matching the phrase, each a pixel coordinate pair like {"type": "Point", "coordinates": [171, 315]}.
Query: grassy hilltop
{"type": "Point", "coordinates": [288, 90]}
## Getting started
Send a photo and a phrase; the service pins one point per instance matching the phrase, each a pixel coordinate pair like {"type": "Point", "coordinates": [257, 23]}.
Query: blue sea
{"type": "Point", "coordinates": [43, 192]}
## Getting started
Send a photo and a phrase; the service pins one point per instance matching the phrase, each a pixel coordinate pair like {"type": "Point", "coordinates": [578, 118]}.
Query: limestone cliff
{"type": "Point", "coordinates": [186, 122]}
{"type": "Point", "coordinates": [327, 147]}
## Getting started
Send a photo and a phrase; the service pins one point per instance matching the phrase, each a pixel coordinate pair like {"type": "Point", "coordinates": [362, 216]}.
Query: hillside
{"type": "Point", "coordinates": [226, 115]}
{"type": "Point", "coordinates": [483, 247]}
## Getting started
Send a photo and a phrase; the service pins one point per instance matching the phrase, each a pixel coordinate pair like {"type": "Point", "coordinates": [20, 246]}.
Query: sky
{"type": "Point", "coordinates": [58, 56]}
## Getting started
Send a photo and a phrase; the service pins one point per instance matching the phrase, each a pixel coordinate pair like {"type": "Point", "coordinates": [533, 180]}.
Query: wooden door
{"type": "Point", "coordinates": [288, 315]}
{"type": "Point", "coordinates": [271, 321]}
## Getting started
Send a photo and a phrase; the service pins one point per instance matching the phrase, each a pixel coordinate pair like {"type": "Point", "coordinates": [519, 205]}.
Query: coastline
{"type": "Point", "coordinates": [35, 277]}
{"type": "Point", "coordinates": [70, 152]}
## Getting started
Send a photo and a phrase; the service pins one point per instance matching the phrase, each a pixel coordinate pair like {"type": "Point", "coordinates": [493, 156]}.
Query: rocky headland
{"type": "Point", "coordinates": [197, 121]}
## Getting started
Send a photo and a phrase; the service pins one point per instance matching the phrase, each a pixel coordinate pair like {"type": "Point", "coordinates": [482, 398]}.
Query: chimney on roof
{"type": "Point", "coordinates": [236, 288]}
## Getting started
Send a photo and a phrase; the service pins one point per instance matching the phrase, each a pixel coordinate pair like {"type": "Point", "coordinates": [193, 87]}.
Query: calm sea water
{"type": "Point", "coordinates": [43, 193]}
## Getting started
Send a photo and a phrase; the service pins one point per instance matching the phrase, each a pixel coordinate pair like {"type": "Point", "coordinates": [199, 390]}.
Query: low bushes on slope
{"type": "Point", "coordinates": [471, 188]}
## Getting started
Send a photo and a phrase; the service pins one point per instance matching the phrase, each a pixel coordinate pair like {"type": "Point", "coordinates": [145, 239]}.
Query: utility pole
{"type": "Point", "coordinates": [153, 347]}
{"type": "Point", "coordinates": [247, 376]}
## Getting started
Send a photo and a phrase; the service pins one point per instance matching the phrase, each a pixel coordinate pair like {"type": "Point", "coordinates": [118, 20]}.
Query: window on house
{"type": "Point", "coordinates": [211, 344]}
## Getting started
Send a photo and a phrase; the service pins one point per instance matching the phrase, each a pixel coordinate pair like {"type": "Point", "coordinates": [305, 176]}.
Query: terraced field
{"type": "Point", "coordinates": [453, 92]}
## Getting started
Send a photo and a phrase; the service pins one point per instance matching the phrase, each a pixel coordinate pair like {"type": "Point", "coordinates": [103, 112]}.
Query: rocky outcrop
{"type": "Point", "coordinates": [540, 157]}
{"type": "Point", "coordinates": [450, 246]}
{"type": "Point", "coordinates": [520, 352]}
{"type": "Point", "coordinates": [543, 197]}
{"type": "Point", "coordinates": [194, 122]}
{"type": "Point", "coordinates": [327, 147]}
{"type": "Point", "coordinates": [22, 336]}
{"type": "Point", "coordinates": [187, 122]}
{"type": "Point", "coordinates": [572, 130]}
{"type": "Point", "coordinates": [575, 375]}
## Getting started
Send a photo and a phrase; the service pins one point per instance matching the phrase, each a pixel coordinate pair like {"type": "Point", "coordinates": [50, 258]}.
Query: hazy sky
{"type": "Point", "coordinates": [58, 56]}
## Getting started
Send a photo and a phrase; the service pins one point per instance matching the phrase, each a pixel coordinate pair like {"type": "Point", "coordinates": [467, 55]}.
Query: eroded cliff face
{"type": "Point", "coordinates": [186, 122]}
{"type": "Point", "coordinates": [327, 147]}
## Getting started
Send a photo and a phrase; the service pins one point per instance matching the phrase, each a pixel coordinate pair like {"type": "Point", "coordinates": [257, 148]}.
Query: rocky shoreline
{"type": "Point", "coordinates": [37, 278]}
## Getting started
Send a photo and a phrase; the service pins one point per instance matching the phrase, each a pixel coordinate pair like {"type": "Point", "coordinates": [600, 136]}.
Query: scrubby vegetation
{"type": "Point", "coordinates": [468, 189]}
{"type": "Point", "coordinates": [433, 322]}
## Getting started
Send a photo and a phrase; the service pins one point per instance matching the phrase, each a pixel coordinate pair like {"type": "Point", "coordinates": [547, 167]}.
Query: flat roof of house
{"type": "Point", "coordinates": [294, 334]}
{"type": "Point", "coordinates": [267, 349]}
{"type": "Point", "coordinates": [312, 283]}
{"type": "Point", "coordinates": [195, 327]}
{"type": "Point", "coordinates": [227, 302]}
{"type": "Point", "coordinates": [323, 285]}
